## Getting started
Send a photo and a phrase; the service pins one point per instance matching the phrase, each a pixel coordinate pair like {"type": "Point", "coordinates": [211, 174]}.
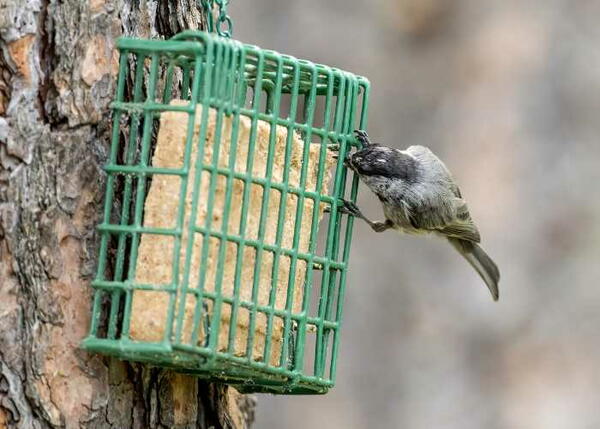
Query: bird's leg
{"type": "Point", "coordinates": [352, 209]}
{"type": "Point", "coordinates": [362, 137]}
{"type": "Point", "coordinates": [379, 226]}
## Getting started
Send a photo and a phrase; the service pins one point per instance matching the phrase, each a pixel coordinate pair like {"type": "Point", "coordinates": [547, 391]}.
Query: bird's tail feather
{"type": "Point", "coordinates": [483, 264]}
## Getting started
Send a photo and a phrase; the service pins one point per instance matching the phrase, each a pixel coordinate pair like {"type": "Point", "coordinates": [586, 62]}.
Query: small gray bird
{"type": "Point", "coordinates": [418, 196]}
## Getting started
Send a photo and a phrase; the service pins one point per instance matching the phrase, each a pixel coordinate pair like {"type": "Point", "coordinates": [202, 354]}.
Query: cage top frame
{"type": "Point", "coordinates": [280, 74]}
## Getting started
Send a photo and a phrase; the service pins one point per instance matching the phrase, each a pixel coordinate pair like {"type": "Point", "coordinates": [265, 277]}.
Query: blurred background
{"type": "Point", "coordinates": [507, 93]}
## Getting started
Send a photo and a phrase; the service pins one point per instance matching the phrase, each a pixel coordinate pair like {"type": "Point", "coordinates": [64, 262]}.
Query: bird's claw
{"type": "Point", "coordinates": [362, 137]}
{"type": "Point", "coordinates": [350, 208]}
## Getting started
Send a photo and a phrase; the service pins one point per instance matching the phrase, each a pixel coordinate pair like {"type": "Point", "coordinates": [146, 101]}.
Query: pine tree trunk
{"type": "Point", "coordinates": [57, 76]}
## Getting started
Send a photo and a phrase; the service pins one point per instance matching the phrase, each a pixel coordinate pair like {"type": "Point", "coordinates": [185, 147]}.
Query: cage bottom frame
{"type": "Point", "coordinates": [246, 377]}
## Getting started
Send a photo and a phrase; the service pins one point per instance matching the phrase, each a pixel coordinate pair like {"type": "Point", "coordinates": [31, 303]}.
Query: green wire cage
{"type": "Point", "coordinates": [243, 282]}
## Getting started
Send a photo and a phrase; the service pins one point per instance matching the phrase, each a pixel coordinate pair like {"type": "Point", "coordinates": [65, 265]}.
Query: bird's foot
{"type": "Point", "coordinates": [342, 209]}
{"type": "Point", "coordinates": [362, 137]}
{"type": "Point", "coordinates": [350, 208]}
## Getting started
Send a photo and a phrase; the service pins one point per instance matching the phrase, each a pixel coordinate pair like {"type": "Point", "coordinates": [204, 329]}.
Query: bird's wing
{"type": "Point", "coordinates": [464, 231]}
{"type": "Point", "coordinates": [449, 217]}
{"type": "Point", "coordinates": [437, 204]}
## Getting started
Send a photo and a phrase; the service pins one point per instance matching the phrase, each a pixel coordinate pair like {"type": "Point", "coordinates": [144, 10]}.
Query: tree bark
{"type": "Point", "coordinates": [58, 66]}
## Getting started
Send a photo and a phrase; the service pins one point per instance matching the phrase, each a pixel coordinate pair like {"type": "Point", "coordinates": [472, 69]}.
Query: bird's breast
{"type": "Point", "coordinates": [399, 216]}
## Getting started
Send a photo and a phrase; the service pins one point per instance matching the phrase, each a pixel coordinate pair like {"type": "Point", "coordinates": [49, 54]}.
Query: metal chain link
{"type": "Point", "coordinates": [217, 19]}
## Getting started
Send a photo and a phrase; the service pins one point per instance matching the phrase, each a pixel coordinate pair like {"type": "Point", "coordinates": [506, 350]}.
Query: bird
{"type": "Point", "coordinates": [418, 195]}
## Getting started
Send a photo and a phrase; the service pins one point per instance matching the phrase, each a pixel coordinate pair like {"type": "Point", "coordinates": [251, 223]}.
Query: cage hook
{"type": "Point", "coordinates": [217, 19]}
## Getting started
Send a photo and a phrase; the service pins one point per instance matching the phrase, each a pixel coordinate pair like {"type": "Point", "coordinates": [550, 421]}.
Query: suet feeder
{"type": "Point", "coordinates": [223, 252]}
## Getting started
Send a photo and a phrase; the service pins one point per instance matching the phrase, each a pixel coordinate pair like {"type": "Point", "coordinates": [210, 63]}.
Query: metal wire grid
{"type": "Point", "coordinates": [216, 72]}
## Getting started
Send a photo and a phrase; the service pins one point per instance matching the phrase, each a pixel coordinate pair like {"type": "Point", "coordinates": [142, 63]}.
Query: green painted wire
{"type": "Point", "coordinates": [216, 17]}
{"type": "Point", "coordinates": [215, 72]}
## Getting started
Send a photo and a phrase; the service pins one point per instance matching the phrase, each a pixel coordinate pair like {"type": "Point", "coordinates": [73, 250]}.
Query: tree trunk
{"type": "Point", "coordinates": [58, 66]}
